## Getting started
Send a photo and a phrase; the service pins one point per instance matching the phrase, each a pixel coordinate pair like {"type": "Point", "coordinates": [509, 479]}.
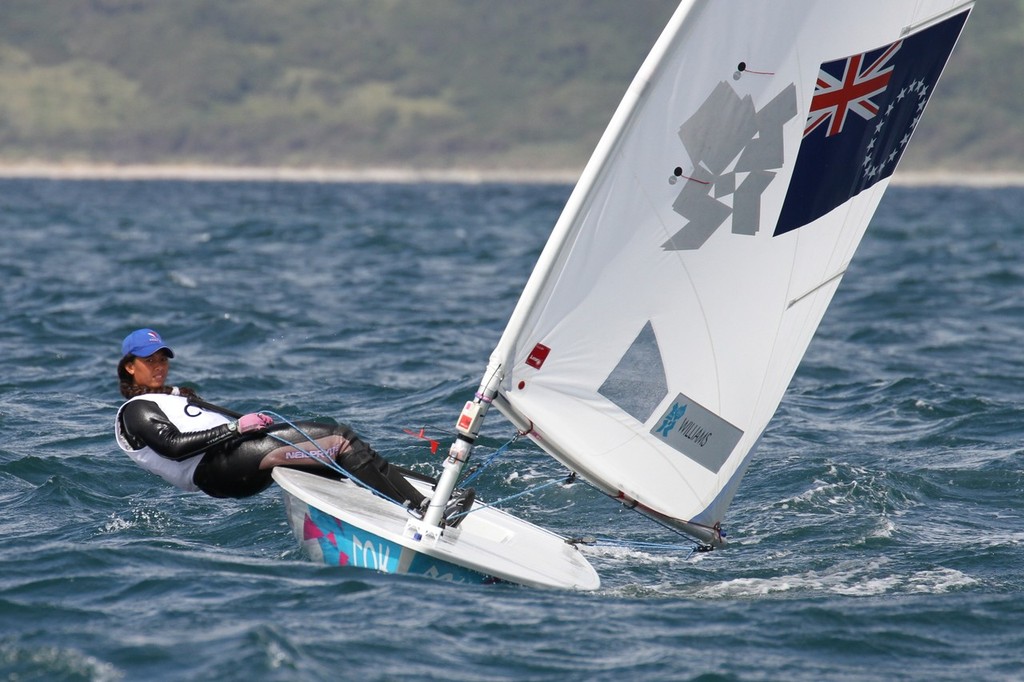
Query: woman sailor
{"type": "Point", "coordinates": [171, 432]}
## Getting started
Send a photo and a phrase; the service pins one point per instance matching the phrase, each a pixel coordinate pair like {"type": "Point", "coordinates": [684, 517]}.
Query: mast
{"type": "Point", "coordinates": [467, 429]}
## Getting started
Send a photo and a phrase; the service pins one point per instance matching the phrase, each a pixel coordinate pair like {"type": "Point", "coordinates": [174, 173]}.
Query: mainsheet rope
{"type": "Point", "coordinates": [321, 455]}
{"type": "Point", "coordinates": [692, 548]}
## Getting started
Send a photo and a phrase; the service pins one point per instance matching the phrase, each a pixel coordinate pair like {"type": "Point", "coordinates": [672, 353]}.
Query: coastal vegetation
{"type": "Point", "coordinates": [396, 83]}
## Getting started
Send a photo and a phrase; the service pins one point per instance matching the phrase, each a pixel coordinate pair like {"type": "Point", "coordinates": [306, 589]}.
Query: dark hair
{"type": "Point", "coordinates": [130, 389]}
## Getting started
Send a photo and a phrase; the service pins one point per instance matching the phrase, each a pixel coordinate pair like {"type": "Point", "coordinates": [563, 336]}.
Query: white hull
{"type": "Point", "coordinates": [340, 523]}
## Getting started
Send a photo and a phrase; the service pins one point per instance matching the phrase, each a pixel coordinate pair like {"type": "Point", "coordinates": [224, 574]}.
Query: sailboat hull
{"type": "Point", "coordinates": [341, 524]}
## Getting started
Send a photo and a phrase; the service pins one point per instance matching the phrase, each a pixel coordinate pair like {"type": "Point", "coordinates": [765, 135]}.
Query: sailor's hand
{"type": "Point", "coordinates": [255, 421]}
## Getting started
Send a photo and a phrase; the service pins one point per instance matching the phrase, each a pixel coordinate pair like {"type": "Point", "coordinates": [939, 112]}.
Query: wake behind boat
{"type": "Point", "coordinates": [688, 272]}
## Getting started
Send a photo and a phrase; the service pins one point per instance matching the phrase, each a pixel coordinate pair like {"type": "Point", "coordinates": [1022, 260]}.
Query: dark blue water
{"type": "Point", "coordinates": [878, 535]}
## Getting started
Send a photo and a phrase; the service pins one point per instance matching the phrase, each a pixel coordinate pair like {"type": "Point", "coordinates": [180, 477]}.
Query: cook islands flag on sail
{"type": "Point", "coordinates": [864, 109]}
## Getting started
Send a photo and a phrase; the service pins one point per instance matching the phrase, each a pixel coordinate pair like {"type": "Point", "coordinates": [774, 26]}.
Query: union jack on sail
{"type": "Point", "coordinates": [834, 97]}
{"type": "Point", "coordinates": [841, 155]}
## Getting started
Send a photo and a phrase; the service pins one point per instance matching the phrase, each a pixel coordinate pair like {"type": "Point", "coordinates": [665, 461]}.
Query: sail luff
{"type": "Point", "coordinates": [568, 220]}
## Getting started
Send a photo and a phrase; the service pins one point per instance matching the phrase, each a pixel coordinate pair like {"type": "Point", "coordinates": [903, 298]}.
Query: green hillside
{"type": "Point", "coordinates": [404, 83]}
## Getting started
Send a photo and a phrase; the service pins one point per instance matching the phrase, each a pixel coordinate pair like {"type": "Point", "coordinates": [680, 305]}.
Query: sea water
{"type": "Point", "coordinates": [877, 535]}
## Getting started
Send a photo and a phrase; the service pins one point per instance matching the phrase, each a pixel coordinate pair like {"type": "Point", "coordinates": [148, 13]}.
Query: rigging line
{"type": "Point", "coordinates": [476, 471]}
{"type": "Point", "coordinates": [635, 544]}
{"type": "Point", "coordinates": [321, 455]}
{"type": "Point", "coordinates": [700, 545]}
{"type": "Point", "coordinates": [503, 500]}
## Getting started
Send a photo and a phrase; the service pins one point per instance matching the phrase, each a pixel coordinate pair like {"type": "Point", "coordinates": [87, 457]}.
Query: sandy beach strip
{"type": "Point", "coordinates": [200, 172]}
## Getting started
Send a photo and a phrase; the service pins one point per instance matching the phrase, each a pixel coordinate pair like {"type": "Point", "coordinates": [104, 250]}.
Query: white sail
{"type": "Point", "coordinates": [698, 252]}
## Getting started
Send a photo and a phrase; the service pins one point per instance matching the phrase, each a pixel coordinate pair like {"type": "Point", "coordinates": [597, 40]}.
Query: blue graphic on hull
{"type": "Point", "coordinates": [342, 544]}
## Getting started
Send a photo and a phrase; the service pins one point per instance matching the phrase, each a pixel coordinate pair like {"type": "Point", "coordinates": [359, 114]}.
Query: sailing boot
{"type": "Point", "coordinates": [458, 506]}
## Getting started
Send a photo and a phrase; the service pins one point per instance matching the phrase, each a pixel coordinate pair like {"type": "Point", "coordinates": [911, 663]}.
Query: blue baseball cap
{"type": "Point", "coordinates": [144, 342]}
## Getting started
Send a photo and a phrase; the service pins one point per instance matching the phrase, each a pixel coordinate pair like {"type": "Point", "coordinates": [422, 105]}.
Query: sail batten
{"type": "Point", "coordinates": [696, 256]}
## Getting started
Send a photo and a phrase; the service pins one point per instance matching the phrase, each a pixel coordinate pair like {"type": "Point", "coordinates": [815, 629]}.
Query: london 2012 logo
{"type": "Point", "coordinates": [735, 149]}
{"type": "Point", "coordinates": [669, 421]}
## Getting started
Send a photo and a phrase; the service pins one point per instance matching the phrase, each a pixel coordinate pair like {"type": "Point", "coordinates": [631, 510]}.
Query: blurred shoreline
{"type": "Point", "coordinates": [201, 172]}
{"type": "Point", "coordinates": [384, 174]}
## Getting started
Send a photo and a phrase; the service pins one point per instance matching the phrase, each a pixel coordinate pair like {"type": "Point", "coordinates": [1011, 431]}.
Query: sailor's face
{"type": "Point", "coordinates": [150, 372]}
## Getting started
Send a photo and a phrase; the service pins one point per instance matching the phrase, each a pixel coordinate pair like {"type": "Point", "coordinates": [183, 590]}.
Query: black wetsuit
{"type": "Point", "coordinates": [230, 464]}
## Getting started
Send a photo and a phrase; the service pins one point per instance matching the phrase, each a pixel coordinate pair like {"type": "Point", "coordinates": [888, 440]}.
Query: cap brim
{"type": "Point", "coordinates": [146, 351]}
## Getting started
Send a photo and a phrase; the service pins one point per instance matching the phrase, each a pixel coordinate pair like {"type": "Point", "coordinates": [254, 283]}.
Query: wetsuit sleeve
{"type": "Point", "coordinates": [144, 421]}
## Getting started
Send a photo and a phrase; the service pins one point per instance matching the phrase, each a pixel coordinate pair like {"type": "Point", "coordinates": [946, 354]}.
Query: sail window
{"type": "Point", "coordinates": [637, 385]}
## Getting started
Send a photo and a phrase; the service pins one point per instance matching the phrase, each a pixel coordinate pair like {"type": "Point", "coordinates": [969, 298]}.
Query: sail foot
{"type": "Point", "coordinates": [712, 535]}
